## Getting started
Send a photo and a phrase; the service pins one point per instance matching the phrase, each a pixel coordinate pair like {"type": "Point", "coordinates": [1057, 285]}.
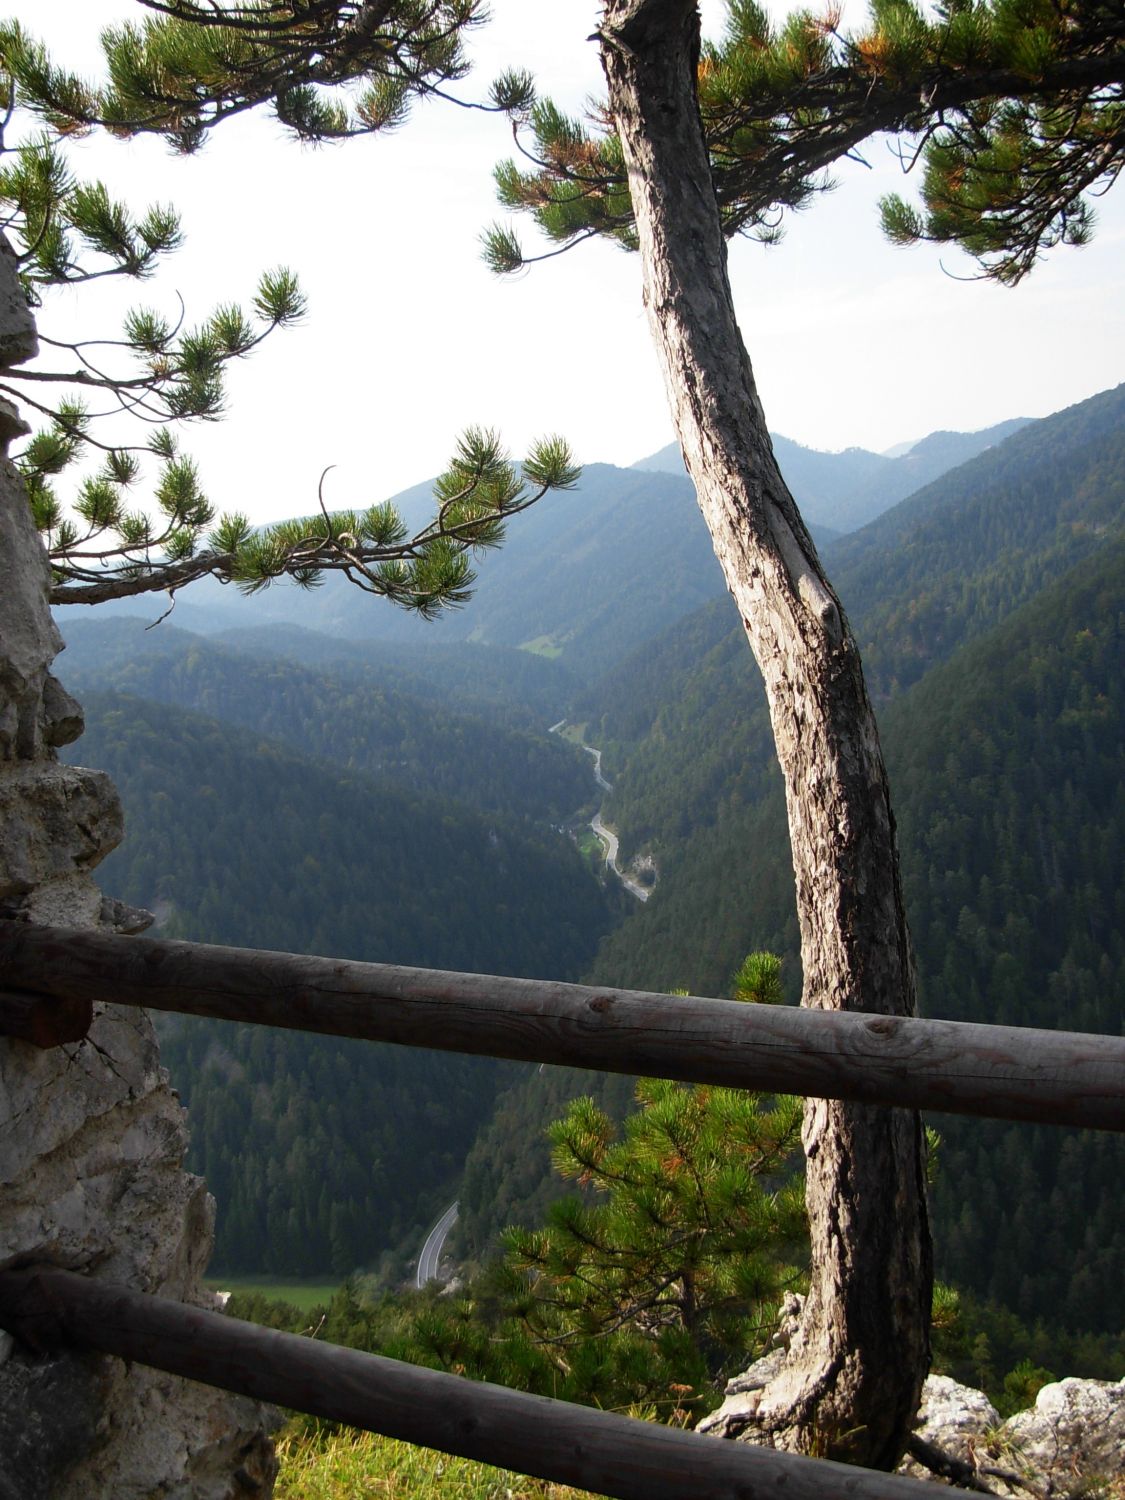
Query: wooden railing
{"type": "Point", "coordinates": [555, 1440]}
{"type": "Point", "coordinates": [1008, 1073]}
{"type": "Point", "coordinates": [51, 978]}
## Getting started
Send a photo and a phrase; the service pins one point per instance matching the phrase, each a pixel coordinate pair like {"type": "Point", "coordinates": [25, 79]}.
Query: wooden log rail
{"type": "Point", "coordinates": [49, 1310]}
{"type": "Point", "coordinates": [1057, 1077]}
{"type": "Point", "coordinates": [43, 1020]}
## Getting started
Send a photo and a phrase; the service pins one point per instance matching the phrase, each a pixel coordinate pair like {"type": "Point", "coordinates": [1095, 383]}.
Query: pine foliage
{"type": "Point", "coordinates": [1014, 107]}
{"type": "Point", "coordinates": [329, 70]}
{"type": "Point", "coordinates": [679, 1261]}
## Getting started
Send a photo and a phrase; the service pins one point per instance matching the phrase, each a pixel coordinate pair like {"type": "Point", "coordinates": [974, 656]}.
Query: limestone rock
{"type": "Point", "coordinates": [55, 822]}
{"type": "Point", "coordinates": [28, 639]}
{"type": "Point", "coordinates": [1069, 1446]}
{"type": "Point", "coordinates": [737, 1415]}
{"type": "Point", "coordinates": [18, 339]}
{"type": "Point", "coordinates": [955, 1418]}
{"type": "Point", "coordinates": [1071, 1443]}
{"type": "Point", "coordinates": [92, 1136]}
{"type": "Point", "coordinates": [1073, 1438]}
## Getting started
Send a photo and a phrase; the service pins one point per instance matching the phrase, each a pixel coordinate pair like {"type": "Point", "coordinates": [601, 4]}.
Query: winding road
{"type": "Point", "coordinates": [598, 777]}
{"type": "Point", "coordinates": [606, 835]}
{"type": "Point", "coordinates": [610, 840]}
{"type": "Point", "coordinates": [430, 1258]}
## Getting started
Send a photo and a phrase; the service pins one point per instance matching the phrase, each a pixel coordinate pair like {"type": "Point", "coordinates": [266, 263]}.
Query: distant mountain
{"type": "Point", "coordinates": [840, 492]}
{"type": "Point", "coordinates": [583, 579]}
{"type": "Point", "coordinates": [323, 1154]}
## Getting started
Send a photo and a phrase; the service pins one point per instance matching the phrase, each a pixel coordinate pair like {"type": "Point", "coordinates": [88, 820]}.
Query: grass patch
{"type": "Point", "coordinates": [350, 1465]}
{"type": "Point", "coordinates": [302, 1294]}
{"type": "Point", "coordinates": [591, 849]}
{"type": "Point", "coordinates": [543, 645]}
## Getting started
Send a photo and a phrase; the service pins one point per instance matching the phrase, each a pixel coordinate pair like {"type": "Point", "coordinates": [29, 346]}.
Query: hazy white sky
{"type": "Point", "coordinates": [410, 338]}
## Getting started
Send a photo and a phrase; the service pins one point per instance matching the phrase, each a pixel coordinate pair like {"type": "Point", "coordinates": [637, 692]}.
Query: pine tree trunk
{"type": "Point", "coordinates": [851, 1383]}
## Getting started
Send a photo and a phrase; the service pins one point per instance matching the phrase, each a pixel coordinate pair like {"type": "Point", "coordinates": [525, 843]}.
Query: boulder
{"type": "Point", "coordinates": [1070, 1444]}
{"type": "Point", "coordinates": [1073, 1438]}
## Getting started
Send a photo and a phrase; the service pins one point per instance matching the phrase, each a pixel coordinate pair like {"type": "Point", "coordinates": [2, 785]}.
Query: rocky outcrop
{"type": "Point", "coordinates": [736, 1417]}
{"type": "Point", "coordinates": [92, 1136]}
{"type": "Point", "coordinates": [1073, 1437]}
{"type": "Point", "coordinates": [1070, 1444]}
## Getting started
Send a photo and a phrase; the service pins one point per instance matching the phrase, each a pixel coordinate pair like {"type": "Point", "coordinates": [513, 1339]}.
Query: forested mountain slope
{"type": "Point", "coordinates": [323, 1153]}
{"type": "Point", "coordinates": [352, 713]}
{"type": "Point", "coordinates": [1008, 770]}
{"type": "Point", "coordinates": [960, 555]}
{"type": "Point", "coordinates": [683, 724]}
{"type": "Point", "coordinates": [1007, 773]}
{"type": "Point", "coordinates": [519, 687]}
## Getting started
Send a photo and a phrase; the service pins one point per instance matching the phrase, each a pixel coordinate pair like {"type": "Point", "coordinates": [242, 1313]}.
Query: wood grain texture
{"type": "Point", "coordinates": [44, 1020]}
{"type": "Point", "coordinates": [1056, 1077]}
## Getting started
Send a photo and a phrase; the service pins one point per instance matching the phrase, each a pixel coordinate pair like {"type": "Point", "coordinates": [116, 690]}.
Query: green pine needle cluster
{"type": "Point", "coordinates": [61, 223]}
{"type": "Point", "coordinates": [105, 551]}
{"type": "Point", "coordinates": [663, 1274]}
{"type": "Point", "coordinates": [328, 68]}
{"type": "Point", "coordinates": [678, 1260]}
{"type": "Point", "coordinates": [1014, 107]}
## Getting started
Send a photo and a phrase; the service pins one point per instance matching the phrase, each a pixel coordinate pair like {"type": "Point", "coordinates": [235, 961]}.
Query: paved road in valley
{"type": "Point", "coordinates": [430, 1257]}
{"type": "Point", "coordinates": [609, 839]}
{"type": "Point", "coordinates": [598, 777]}
{"type": "Point", "coordinates": [607, 835]}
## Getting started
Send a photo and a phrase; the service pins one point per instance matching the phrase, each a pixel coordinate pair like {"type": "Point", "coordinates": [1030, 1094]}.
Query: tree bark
{"type": "Point", "coordinates": [852, 1381]}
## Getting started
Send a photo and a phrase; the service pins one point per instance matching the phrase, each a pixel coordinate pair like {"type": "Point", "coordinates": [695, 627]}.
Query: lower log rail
{"type": "Point", "coordinates": [1008, 1073]}
{"type": "Point", "coordinates": [52, 1310]}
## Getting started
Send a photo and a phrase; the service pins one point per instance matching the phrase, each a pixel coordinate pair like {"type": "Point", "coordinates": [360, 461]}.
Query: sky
{"type": "Point", "coordinates": [409, 338]}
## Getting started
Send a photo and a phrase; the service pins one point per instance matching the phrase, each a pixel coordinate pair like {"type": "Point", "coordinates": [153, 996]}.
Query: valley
{"type": "Point", "coordinates": [401, 798]}
{"type": "Point", "coordinates": [763, 762]}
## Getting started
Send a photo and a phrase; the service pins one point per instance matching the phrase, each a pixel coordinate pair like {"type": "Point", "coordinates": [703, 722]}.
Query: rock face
{"type": "Point", "coordinates": [1069, 1446]}
{"type": "Point", "coordinates": [1073, 1438]}
{"type": "Point", "coordinates": [1071, 1443]}
{"type": "Point", "coordinates": [957, 1421]}
{"type": "Point", "coordinates": [92, 1137]}
{"type": "Point", "coordinates": [743, 1396]}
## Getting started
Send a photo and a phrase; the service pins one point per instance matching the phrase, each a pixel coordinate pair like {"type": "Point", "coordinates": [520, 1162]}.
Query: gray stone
{"type": "Point", "coordinates": [1071, 1443]}
{"type": "Point", "coordinates": [956, 1418]}
{"type": "Point", "coordinates": [737, 1416]}
{"type": "Point", "coordinates": [92, 1136]}
{"type": "Point", "coordinates": [1073, 1438]}
{"type": "Point", "coordinates": [62, 715]}
{"type": "Point", "coordinates": [57, 822]}
{"type": "Point", "coordinates": [28, 638]}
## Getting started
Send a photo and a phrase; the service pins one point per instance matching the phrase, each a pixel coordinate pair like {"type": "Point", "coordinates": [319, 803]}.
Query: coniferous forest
{"type": "Point", "coordinates": [403, 800]}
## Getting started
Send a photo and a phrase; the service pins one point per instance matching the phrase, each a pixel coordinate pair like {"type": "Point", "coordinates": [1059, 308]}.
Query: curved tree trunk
{"type": "Point", "coordinates": [851, 1383]}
